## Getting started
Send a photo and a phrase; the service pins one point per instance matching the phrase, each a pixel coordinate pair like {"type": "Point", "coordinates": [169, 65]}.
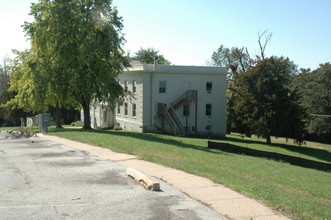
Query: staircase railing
{"type": "Point", "coordinates": [163, 110]}
{"type": "Point", "coordinates": [175, 117]}
{"type": "Point", "coordinates": [171, 115]}
{"type": "Point", "coordinates": [189, 95]}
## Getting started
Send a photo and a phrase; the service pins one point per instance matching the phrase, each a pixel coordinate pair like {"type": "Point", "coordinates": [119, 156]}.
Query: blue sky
{"type": "Point", "coordinates": [187, 32]}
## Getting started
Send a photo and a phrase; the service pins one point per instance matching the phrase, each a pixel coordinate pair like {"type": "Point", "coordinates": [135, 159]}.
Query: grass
{"type": "Point", "coordinates": [309, 150]}
{"type": "Point", "coordinates": [35, 128]}
{"type": "Point", "coordinates": [299, 192]}
{"type": "Point", "coordinates": [8, 128]}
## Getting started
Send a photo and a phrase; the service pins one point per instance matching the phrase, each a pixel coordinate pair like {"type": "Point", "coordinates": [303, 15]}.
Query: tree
{"type": "Point", "coordinates": [148, 56]}
{"type": "Point", "coordinates": [24, 83]}
{"type": "Point", "coordinates": [263, 43]}
{"type": "Point", "coordinates": [33, 88]}
{"type": "Point", "coordinates": [4, 78]}
{"type": "Point", "coordinates": [315, 88]}
{"type": "Point", "coordinates": [266, 104]}
{"type": "Point", "coordinates": [237, 60]}
{"type": "Point", "coordinates": [4, 85]}
{"type": "Point", "coordinates": [8, 116]}
{"type": "Point", "coordinates": [79, 43]}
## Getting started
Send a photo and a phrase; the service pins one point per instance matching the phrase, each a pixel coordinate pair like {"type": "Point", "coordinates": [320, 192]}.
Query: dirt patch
{"type": "Point", "coordinates": [63, 154]}
{"type": "Point", "coordinates": [188, 214]}
{"type": "Point", "coordinates": [70, 163]}
{"type": "Point", "coordinates": [163, 206]}
{"type": "Point", "coordinates": [33, 147]}
{"type": "Point", "coordinates": [109, 178]}
{"type": "Point", "coordinates": [165, 209]}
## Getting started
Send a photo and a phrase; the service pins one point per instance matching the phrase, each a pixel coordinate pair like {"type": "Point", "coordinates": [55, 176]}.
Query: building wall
{"type": "Point", "coordinates": [178, 79]}
{"type": "Point", "coordinates": [128, 121]}
{"type": "Point", "coordinates": [101, 116]}
{"type": "Point", "coordinates": [148, 117]}
{"type": "Point", "coordinates": [178, 83]}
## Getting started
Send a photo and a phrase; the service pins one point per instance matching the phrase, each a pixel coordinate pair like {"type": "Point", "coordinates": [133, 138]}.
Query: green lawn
{"type": "Point", "coordinates": [8, 128]}
{"type": "Point", "coordinates": [299, 192]}
{"type": "Point", "coordinates": [35, 128]}
{"type": "Point", "coordinates": [309, 150]}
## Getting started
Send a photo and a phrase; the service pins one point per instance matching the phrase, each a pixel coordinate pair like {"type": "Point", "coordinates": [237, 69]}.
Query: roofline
{"type": "Point", "coordinates": [151, 68]}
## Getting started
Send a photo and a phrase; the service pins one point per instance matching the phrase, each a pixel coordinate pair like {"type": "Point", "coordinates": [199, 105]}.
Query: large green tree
{"type": "Point", "coordinates": [45, 33]}
{"type": "Point", "coordinates": [78, 43]}
{"type": "Point", "coordinates": [237, 61]}
{"type": "Point", "coordinates": [24, 83]}
{"type": "Point", "coordinates": [31, 87]}
{"type": "Point", "coordinates": [148, 56]}
{"type": "Point", "coordinates": [266, 104]}
{"type": "Point", "coordinates": [315, 88]}
{"type": "Point", "coordinates": [8, 115]}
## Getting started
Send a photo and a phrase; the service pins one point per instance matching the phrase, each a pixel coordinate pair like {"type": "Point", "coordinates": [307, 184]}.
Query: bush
{"type": "Point", "coordinates": [118, 128]}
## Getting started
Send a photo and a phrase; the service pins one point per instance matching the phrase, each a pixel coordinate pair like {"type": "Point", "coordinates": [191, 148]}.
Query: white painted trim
{"type": "Point", "coordinates": [212, 70]}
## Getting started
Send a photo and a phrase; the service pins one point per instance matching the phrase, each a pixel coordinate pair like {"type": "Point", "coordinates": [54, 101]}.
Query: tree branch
{"type": "Point", "coordinates": [267, 38]}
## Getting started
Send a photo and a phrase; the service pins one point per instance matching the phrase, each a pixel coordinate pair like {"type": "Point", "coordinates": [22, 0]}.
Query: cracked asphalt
{"type": "Point", "coordinates": [41, 179]}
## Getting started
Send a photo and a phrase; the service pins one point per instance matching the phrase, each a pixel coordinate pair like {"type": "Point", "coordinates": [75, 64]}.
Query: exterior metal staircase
{"type": "Point", "coordinates": [177, 121]}
{"type": "Point", "coordinates": [170, 114]}
{"type": "Point", "coordinates": [189, 95]}
{"type": "Point", "coordinates": [163, 112]}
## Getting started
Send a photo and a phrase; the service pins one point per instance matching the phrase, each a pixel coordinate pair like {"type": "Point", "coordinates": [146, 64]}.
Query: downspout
{"type": "Point", "coordinates": [94, 121]}
{"type": "Point", "coordinates": [152, 89]}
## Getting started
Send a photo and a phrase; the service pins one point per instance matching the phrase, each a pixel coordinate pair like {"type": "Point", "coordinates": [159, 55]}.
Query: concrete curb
{"type": "Point", "coordinates": [143, 179]}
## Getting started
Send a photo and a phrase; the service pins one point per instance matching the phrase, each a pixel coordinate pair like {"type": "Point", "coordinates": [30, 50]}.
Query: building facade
{"type": "Point", "coordinates": [180, 100]}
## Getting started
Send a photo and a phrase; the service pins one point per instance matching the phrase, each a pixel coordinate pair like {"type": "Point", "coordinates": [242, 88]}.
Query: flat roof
{"type": "Point", "coordinates": [150, 68]}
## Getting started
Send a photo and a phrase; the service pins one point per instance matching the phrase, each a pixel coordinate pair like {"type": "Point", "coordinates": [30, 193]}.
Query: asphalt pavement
{"type": "Point", "coordinates": [42, 179]}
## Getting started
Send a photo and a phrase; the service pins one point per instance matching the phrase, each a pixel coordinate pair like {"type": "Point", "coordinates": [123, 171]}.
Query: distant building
{"type": "Point", "coordinates": [179, 100]}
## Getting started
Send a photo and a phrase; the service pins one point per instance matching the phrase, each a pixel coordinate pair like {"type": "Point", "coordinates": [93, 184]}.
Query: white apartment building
{"type": "Point", "coordinates": [179, 100]}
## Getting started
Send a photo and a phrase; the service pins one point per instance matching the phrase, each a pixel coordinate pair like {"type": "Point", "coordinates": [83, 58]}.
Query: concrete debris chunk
{"type": "Point", "coordinates": [143, 179]}
{"type": "Point", "coordinates": [21, 132]}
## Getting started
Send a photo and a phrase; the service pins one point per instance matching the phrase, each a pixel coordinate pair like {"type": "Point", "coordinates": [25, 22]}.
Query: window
{"type": "Point", "coordinates": [118, 109]}
{"type": "Point", "coordinates": [126, 109]}
{"type": "Point", "coordinates": [208, 109]}
{"type": "Point", "coordinates": [126, 85]}
{"type": "Point", "coordinates": [134, 86]}
{"type": "Point", "coordinates": [162, 87]}
{"type": "Point", "coordinates": [186, 110]}
{"type": "Point", "coordinates": [134, 110]}
{"type": "Point", "coordinates": [209, 86]}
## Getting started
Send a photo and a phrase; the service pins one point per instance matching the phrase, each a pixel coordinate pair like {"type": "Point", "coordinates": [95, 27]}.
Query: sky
{"type": "Point", "coordinates": [187, 32]}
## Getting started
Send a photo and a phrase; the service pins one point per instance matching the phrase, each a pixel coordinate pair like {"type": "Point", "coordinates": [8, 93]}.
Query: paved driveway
{"type": "Point", "coordinates": [41, 179]}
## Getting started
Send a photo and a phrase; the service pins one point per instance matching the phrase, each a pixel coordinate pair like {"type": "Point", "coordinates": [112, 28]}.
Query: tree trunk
{"type": "Point", "coordinates": [230, 115]}
{"type": "Point", "coordinates": [22, 122]}
{"type": "Point", "coordinates": [268, 139]}
{"type": "Point", "coordinates": [228, 125]}
{"type": "Point", "coordinates": [87, 119]}
{"type": "Point", "coordinates": [58, 116]}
